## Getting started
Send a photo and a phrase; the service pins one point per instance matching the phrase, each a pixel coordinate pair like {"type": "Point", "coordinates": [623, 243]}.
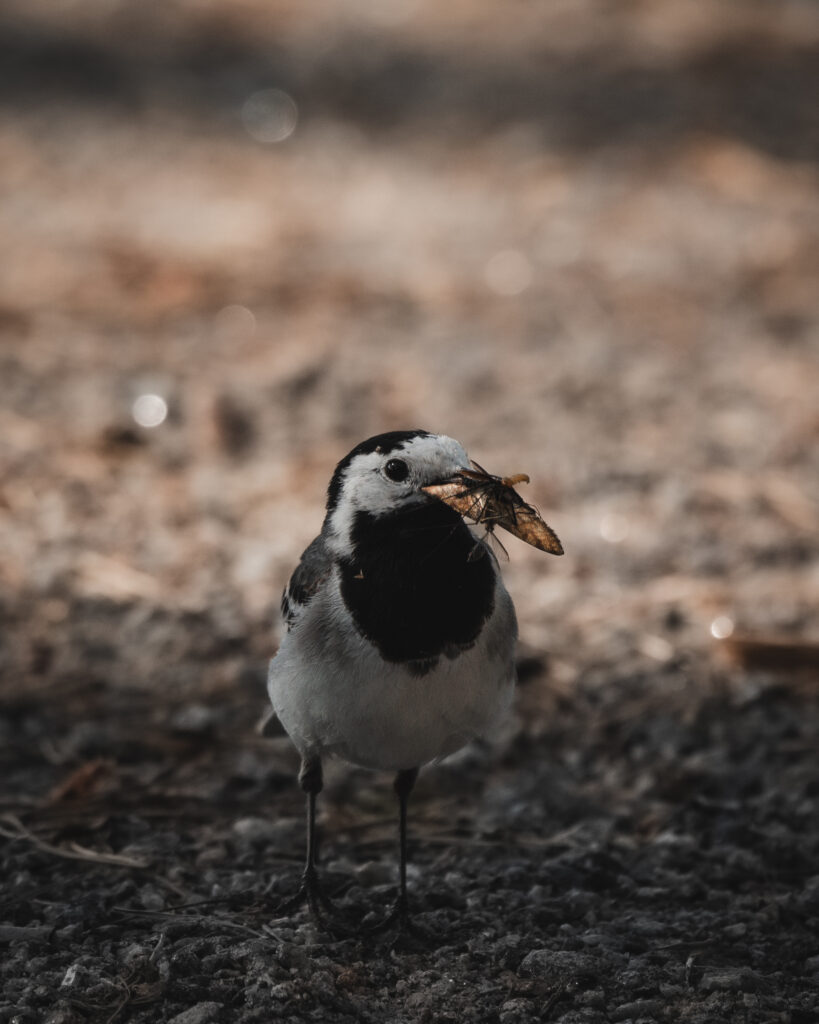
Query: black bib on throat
{"type": "Point", "coordinates": [416, 587]}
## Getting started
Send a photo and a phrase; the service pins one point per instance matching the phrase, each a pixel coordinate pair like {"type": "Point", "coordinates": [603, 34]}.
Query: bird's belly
{"type": "Point", "coordinates": [397, 720]}
{"type": "Point", "coordinates": [351, 704]}
{"type": "Point", "coordinates": [335, 693]}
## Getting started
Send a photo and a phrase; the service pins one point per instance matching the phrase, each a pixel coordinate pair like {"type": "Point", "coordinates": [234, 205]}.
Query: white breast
{"type": "Point", "coordinates": [335, 695]}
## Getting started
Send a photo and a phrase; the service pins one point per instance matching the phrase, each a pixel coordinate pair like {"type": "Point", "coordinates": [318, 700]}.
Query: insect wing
{"type": "Point", "coordinates": [527, 525]}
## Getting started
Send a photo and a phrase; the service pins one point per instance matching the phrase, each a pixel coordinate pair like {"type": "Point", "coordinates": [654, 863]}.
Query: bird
{"type": "Point", "coordinates": [400, 636]}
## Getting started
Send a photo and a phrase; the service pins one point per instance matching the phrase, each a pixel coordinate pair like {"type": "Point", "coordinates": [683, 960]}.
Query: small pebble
{"type": "Point", "coordinates": [151, 898]}
{"type": "Point", "coordinates": [202, 1013]}
{"type": "Point", "coordinates": [263, 831]}
{"type": "Point", "coordinates": [640, 1009]}
{"type": "Point", "coordinates": [729, 979]}
{"type": "Point", "coordinates": [546, 963]}
{"type": "Point", "coordinates": [516, 1011]}
{"type": "Point", "coordinates": [71, 976]}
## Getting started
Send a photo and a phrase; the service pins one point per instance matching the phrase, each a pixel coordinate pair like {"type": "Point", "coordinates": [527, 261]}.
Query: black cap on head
{"type": "Point", "coordinates": [392, 441]}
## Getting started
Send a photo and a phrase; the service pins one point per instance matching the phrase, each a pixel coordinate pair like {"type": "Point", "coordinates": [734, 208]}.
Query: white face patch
{"type": "Point", "coordinates": [366, 488]}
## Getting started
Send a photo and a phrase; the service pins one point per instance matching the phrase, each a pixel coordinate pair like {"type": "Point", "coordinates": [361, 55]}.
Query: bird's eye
{"type": "Point", "coordinates": [397, 470]}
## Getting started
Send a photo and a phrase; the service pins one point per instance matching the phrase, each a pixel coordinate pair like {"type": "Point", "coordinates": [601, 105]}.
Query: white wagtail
{"type": "Point", "coordinates": [400, 642]}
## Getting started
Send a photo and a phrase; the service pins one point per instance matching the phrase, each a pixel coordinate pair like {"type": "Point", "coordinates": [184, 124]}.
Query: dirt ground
{"type": "Point", "coordinates": [581, 237]}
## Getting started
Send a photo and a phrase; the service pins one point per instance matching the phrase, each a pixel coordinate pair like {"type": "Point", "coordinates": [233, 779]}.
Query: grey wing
{"type": "Point", "coordinates": [313, 569]}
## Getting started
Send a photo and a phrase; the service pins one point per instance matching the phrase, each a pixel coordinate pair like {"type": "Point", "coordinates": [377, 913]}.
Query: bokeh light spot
{"type": "Point", "coordinates": [656, 647]}
{"type": "Point", "coordinates": [270, 115]}
{"type": "Point", "coordinates": [234, 323]}
{"type": "Point", "coordinates": [613, 527]}
{"type": "Point", "coordinates": [722, 627]}
{"type": "Point", "coordinates": [150, 410]}
{"type": "Point", "coordinates": [508, 272]}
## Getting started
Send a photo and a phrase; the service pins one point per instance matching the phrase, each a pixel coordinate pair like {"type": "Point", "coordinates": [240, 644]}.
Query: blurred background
{"type": "Point", "coordinates": [240, 236]}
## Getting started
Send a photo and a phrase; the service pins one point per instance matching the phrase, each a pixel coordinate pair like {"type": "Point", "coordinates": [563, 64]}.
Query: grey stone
{"type": "Point", "coordinates": [73, 975]}
{"type": "Point", "coordinates": [151, 898]}
{"type": "Point", "coordinates": [729, 979]}
{"type": "Point", "coordinates": [516, 1011]}
{"type": "Point", "coordinates": [202, 1013]}
{"type": "Point", "coordinates": [547, 963]}
{"type": "Point", "coordinates": [640, 1009]}
{"type": "Point", "coordinates": [373, 872]}
{"type": "Point", "coordinates": [263, 831]}
{"type": "Point", "coordinates": [594, 997]}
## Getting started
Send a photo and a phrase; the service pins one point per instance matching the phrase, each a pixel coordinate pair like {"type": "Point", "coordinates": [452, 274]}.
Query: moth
{"type": "Point", "coordinates": [493, 501]}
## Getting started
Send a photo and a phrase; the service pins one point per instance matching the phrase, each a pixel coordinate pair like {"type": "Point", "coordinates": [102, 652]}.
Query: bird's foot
{"type": "Point", "coordinates": [407, 932]}
{"type": "Point", "coordinates": [326, 914]}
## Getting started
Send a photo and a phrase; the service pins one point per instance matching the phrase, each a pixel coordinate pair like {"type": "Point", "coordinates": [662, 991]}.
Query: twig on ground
{"type": "Point", "coordinates": [198, 918]}
{"type": "Point", "coordinates": [76, 852]}
{"type": "Point", "coordinates": [25, 933]}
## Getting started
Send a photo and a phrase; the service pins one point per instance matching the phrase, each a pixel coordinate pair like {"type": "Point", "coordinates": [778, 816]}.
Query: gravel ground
{"type": "Point", "coordinates": [581, 239]}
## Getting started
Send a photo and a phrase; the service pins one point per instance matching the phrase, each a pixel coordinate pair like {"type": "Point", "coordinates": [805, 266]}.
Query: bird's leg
{"type": "Point", "coordinates": [404, 782]}
{"type": "Point", "coordinates": [310, 891]}
{"type": "Point", "coordinates": [399, 915]}
{"type": "Point", "coordinates": [311, 781]}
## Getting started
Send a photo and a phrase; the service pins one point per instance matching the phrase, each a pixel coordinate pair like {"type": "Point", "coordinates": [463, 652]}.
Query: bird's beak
{"type": "Point", "coordinates": [493, 501]}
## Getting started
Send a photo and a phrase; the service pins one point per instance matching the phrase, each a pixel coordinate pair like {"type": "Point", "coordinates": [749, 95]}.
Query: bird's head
{"type": "Point", "coordinates": [385, 475]}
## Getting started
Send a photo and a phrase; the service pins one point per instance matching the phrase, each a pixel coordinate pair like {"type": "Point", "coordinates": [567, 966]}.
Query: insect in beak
{"type": "Point", "coordinates": [493, 501]}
